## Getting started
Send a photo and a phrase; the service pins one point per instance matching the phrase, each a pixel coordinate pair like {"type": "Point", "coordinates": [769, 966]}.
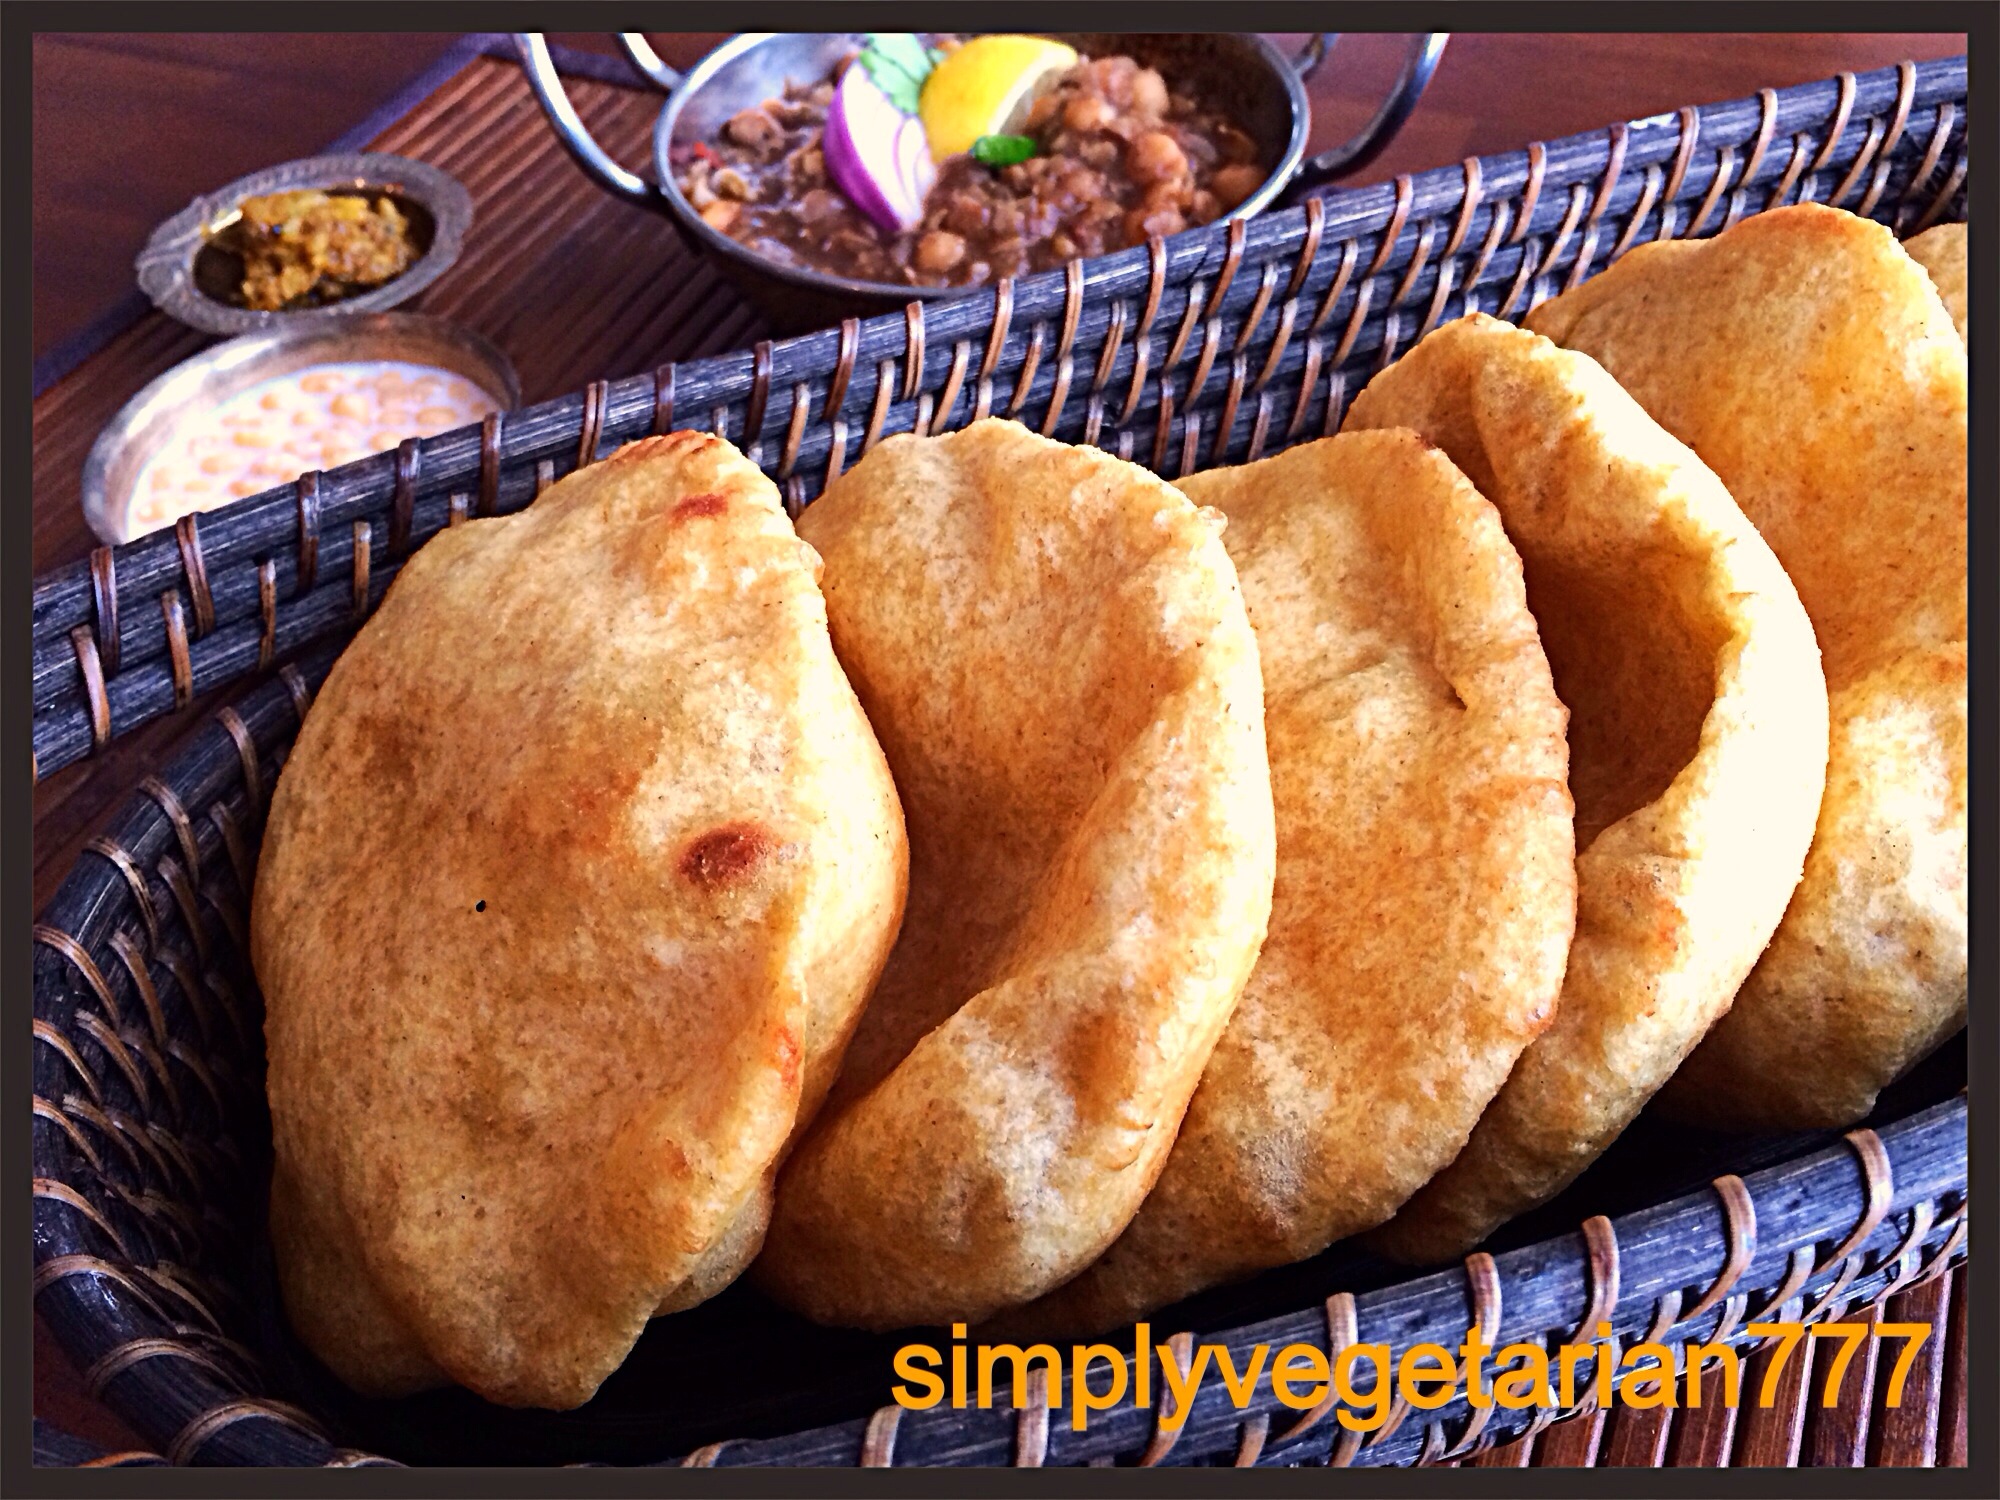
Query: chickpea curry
{"type": "Point", "coordinates": [1075, 156]}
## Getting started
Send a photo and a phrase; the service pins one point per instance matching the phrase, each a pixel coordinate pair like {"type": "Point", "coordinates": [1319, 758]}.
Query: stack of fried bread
{"type": "Point", "coordinates": [1031, 892]}
{"type": "Point", "coordinates": [1816, 369]}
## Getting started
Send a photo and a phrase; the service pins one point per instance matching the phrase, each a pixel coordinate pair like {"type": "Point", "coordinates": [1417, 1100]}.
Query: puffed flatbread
{"type": "Point", "coordinates": [1941, 252]}
{"type": "Point", "coordinates": [579, 873]}
{"type": "Point", "coordinates": [1052, 645]}
{"type": "Point", "coordinates": [1814, 367]}
{"type": "Point", "coordinates": [1426, 887]}
{"type": "Point", "coordinates": [1697, 742]}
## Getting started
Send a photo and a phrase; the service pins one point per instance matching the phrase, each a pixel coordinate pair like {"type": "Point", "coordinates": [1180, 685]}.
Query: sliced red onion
{"type": "Point", "coordinates": [877, 155]}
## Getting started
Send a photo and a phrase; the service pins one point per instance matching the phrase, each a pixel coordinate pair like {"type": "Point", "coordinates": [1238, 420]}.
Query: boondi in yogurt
{"type": "Point", "coordinates": [315, 418]}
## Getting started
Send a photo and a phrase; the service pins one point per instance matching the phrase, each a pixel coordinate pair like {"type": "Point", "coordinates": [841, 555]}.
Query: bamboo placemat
{"type": "Point", "coordinates": [1927, 1428]}
{"type": "Point", "coordinates": [573, 285]}
{"type": "Point", "coordinates": [576, 286]}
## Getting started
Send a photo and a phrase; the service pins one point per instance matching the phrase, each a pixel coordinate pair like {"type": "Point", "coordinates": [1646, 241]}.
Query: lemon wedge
{"type": "Point", "coordinates": [985, 88]}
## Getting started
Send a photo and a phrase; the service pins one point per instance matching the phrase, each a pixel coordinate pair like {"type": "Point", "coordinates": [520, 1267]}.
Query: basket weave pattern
{"type": "Point", "coordinates": [151, 1141]}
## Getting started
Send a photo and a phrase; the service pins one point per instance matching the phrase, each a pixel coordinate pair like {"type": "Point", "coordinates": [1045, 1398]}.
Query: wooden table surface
{"type": "Point", "coordinates": [128, 128]}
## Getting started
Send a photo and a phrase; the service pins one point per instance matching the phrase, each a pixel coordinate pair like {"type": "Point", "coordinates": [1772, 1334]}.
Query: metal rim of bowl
{"type": "Point", "coordinates": [691, 222]}
{"type": "Point", "coordinates": [157, 410]}
{"type": "Point", "coordinates": [166, 265]}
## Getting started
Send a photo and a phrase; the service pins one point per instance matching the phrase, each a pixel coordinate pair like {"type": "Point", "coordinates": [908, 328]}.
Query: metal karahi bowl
{"type": "Point", "coordinates": [191, 276]}
{"type": "Point", "coordinates": [148, 421]}
{"type": "Point", "coordinates": [1263, 88]}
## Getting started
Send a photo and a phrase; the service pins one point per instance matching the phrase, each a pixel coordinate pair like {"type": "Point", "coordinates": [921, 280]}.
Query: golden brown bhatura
{"type": "Point", "coordinates": [574, 884]}
{"type": "Point", "coordinates": [1941, 252]}
{"type": "Point", "coordinates": [1697, 742]}
{"type": "Point", "coordinates": [1052, 646]}
{"type": "Point", "coordinates": [1815, 368]}
{"type": "Point", "coordinates": [1426, 877]}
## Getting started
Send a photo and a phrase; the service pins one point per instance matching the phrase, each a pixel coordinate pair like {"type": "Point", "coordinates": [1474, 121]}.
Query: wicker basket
{"type": "Point", "coordinates": [151, 1143]}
